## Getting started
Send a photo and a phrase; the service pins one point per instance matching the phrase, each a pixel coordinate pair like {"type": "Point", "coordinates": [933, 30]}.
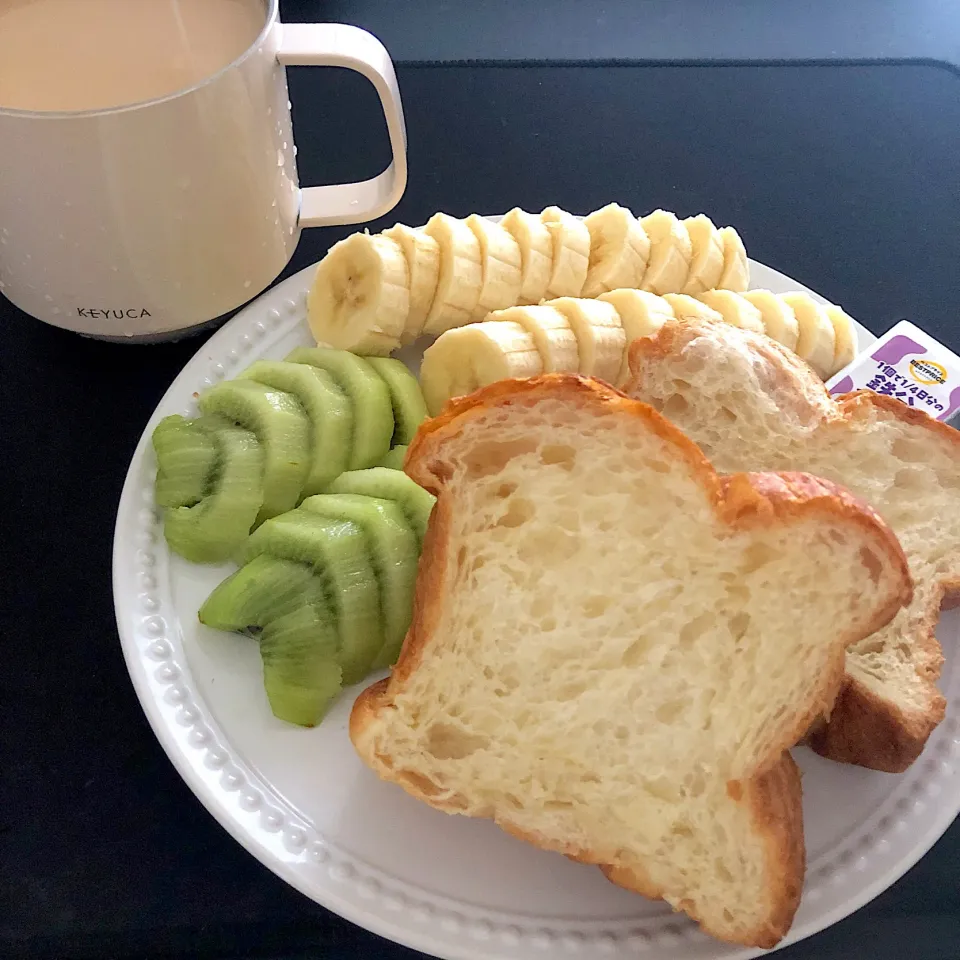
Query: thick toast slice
{"type": "Point", "coordinates": [612, 647]}
{"type": "Point", "coordinates": [752, 405]}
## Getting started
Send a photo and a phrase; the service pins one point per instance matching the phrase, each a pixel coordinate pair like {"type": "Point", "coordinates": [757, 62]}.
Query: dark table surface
{"type": "Point", "coordinates": [844, 177]}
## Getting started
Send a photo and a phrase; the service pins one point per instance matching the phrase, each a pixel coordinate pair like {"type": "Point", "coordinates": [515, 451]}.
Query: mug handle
{"type": "Point", "coordinates": [339, 45]}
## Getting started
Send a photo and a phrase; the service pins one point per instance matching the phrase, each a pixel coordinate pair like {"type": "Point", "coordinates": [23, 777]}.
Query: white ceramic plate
{"type": "Point", "coordinates": [301, 801]}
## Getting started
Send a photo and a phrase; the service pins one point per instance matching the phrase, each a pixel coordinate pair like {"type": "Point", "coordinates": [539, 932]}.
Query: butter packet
{"type": "Point", "coordinates": [909, 365]}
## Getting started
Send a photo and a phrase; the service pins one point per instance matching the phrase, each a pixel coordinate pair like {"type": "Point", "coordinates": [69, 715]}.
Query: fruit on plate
{"type": "Point", "coordinates": [186, 459]}
{"type": "Point", "coordinates": [406, 398]}
{"type": "Point", "coordinates": [460, 279]}
{"type": "Point", "coordinates": [735, 309]}
{"type": "Point", "coordinates": [369, 398]}
{"type": "Point", "coordinates": [394, 457]}
{"type": "Point", "coordinates": [422, 254]}
{"type": "Point", "coordinates": [371, 294]}
{"type": "Point", "coordinates": [706, 255]}
{"type": "Point", "coordinates": [591, 337]}
{"type": "Point", "coordinates": [502, 276]}
{"type": "Point", "coordinates": [619, 250]}
{"type": "Point", "coordinates": [616, 647]}
{"type": "Point", "coordinates": [282, 428]}
{"type": "Point", "coordinates": [360, 295]}
{"type": "Point", "coordinates": [779, 320]}
{"type": "Point", "coordinates": [736, 267]}
{"type": "Point", "coordinates": [394, 553]}
{"type": "Point", "coordinates": [571, 253]}
{"type": "Point", "coordinates": [817, 341]}
{"type": "Point", "coordinates": [210, 530]}
{"type": "Point", "coordinates": [599, 332]}
{"type": "Point", "coordinates": [552, 335]}
{"type": "Point", "coordinates": [313, 416]}
{"type": "Point", "coordinates": [327, 408]}
{"type": "Point", "coordinates": [671, 251]}
{"type": "Point", "coordinates": [536, 253]}
{"type": "Point", "coordinates": [469, 357]}
{"type": "Point", "coordinates": [339, 553]}
{"type": "Point", "coordinates": [414, 502]}
{"type": "Point", "coordinates": [328, 588]}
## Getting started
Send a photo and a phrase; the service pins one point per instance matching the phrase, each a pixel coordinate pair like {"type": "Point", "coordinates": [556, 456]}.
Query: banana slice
{"type": "Point", "coordinates": [688, 308]}
{"type": "Point", "coordinates": [536, 253]}
{"type": "Point", "coordinates": [460, 278]}
{"type": "Point", "coordinates": [500, 256]}
{"type": "Point", "coordinates": [736, 269]}
{"type": "Point", "coordinates": [671, 251]}
{"type": "Point", "coordinates": [601, 340]}
{"type": "Point", "coordinates": [706, 260]}
{"type": "Point", "coordinates": [845, 337]}
{"type": "Point", "coordinates": [817, 342]}
{"type": "Point", "coordinates": [571, 253]}
{"type": "Point", "coordinates": [642, 315]}
{"type": "Point", "coordinates": [779, 320]}
{"type": "Point", "coordinates": [360, 295]}
{"type": "Point", "coordinates": [422, 253]}
{"type": "Point", "coordinates": [734, 309]}
{"type": "Point", "coordinates": [619, 248]}
{"type": "Point", "coordinates": [551, 333]}
{"type": "Point", "coordinates": [469, 357]}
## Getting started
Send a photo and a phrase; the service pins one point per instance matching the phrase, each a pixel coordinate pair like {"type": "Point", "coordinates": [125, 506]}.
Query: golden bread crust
{"type": "Point", "coordinates": [864, 728]}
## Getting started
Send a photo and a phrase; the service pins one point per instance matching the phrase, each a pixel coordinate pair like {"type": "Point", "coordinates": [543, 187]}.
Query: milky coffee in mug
{"type": "Point", "coordinates": [147, 174]}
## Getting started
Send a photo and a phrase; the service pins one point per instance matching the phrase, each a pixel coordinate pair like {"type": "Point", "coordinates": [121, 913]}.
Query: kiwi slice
{"type": "Point", "coordinates": [415, 503]}
{"type": "Point", "coordinates": [259, 592]}
{"type": "Point", "coordinates": [301, 672]}
{"type": "Point", "coordinates": [326, 406]}
{"type": "Point", "coordinates": [369, 397]}
{"type": "Point", "coordinates": [338, 552]}
{"type": "Point", "coordinates": [409, 408]}
{"type": "Point", "coordinates": [186, 459]}
{"type": "Point", "coordinates": [281, 426]}
{"type": "Point", "coordinates": [212, 529]}
{"type": "Point", "coordinates": [394, 553]}
{"type": "Point", "coordinates": [394, 458]}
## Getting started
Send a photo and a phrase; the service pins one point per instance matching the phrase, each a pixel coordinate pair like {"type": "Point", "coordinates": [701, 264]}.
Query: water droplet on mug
{"type": "Point", "coordinates": [3, 286]}
{"type": "Point", "coordinates": [115, 269]}
{"type": "Point", "coordinates": [48, 298]}
{"type": "Point", "coordinates": [68, 203]}
{"type": "Point", "coordinates": [289, 105]}
{"type": "Point", "coordinates": [269, 111]}
{"type": "Point", "coordinates": [60, 236]}
{"type": "Point", "coordinates": [279, 158]}
{"type": "Point", "coordinates": [3, 240]}
{"type": "Point", "coordinates": [247, 283]}
{"type": "Point", "coordinates": [284, 144]}
{"type": "Point", "coordinates": [295, 151]}
{"type": "Point", "coordinates": [273, 203]}
{"type": "Point", "coordinates": [5, 232]}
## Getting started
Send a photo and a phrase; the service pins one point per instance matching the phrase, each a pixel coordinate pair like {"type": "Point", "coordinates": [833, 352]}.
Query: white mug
{"type": "Point", "coordinates": [143, 221]}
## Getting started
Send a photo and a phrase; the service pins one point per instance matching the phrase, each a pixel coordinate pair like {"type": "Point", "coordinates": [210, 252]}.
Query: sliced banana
{"type": "Point", "coordinates": [642, 315]}
{"type": "Point", "coordinates": [619, 248]}
{"type": "Point", "coordinates": [706, 259]}
{"type": "Point", "coordinates": [551, 333]}
{"type": "Point", "coordinates": [469, 357]}
{"type": "Point", "coordinates": [460, 278]}
{"type": "Point", "coordinates": [502, 275]}
{"type": "Point", "coordinates": [536, 253]}
{"type": "Point", "coordinates": [736, 269]}
{"type": "Point", "coordinates": [845, 338]}
{"type": "Point", "coordinates": [423, 261]}
{"type": "Point", "coordinates": [734, 309]}
{"type": "Point", "coordinates": [571, 253]}
{"type": "Point", "coordinates": [689, 308]}
{"type": "Point", "coordinates": [779, 320]}
{"type": "Point", "coordinates": [817, 341]}
{"type": "Point", "coordinates": [671, 251]}
{"type": "Point", "coordinates": [360, 295]}
{"type": "Point", "coordinates": [601, 340]}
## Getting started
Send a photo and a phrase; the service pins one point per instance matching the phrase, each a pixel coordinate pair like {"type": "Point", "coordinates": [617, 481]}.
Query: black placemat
{"type": "Point", "coordinates": [845, 177]}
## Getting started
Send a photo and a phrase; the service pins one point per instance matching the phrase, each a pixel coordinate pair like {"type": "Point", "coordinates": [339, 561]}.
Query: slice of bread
{"type": "Point", "coordinates": [612, 647]}
{"type": "Point", "coordinates": [752, 405]}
